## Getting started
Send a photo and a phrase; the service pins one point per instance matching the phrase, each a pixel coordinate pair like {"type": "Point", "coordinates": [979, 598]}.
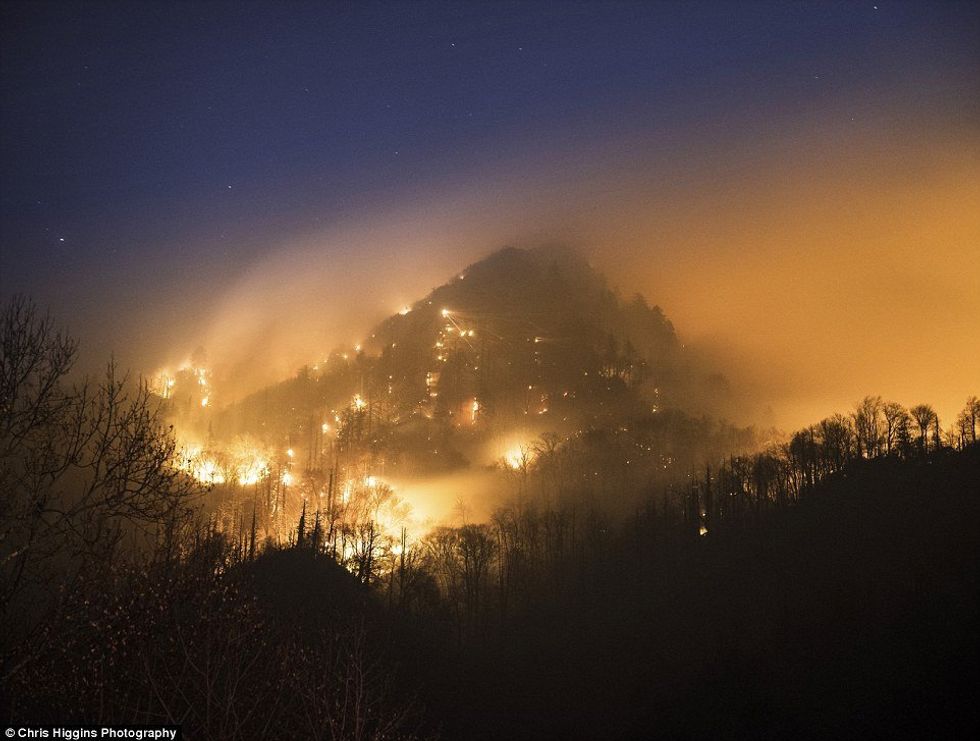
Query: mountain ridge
{"type": "Point", "coordinates": [523, 342]}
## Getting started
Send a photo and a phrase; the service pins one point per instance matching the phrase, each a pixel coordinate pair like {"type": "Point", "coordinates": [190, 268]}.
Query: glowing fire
{"type": "Point", "coordinates": [208, 472]}
{"type": "Point", "coordinates": [252, 472]}
{"type": "Point", "coordinates": [518, 456]}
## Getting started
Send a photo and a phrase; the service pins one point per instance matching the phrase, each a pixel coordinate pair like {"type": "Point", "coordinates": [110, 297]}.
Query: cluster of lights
{"type": "Point", "coordinates": [165, 384]}
{"type": "Point", "coordinates": [208, 470]}
{"type": "Point", "coordinates": [255, 469]}
{"type": "Point", "coordinates": [451, 327]}
{"type": "Point", "coordinates": [202, 382]}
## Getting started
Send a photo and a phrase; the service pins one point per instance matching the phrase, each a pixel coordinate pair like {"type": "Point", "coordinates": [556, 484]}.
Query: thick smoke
{"type": "Point", "coordinates": [835, 261]}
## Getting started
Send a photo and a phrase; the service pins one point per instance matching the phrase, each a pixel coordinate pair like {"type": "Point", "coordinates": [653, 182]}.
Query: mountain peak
{"type": "Point", "coordinates": [525, 340]}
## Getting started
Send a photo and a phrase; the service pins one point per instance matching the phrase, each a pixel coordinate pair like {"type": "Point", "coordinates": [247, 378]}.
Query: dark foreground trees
{"type": "Point", "coordinates": [849, 615]}
{"type": "Point", "coordinates": [825, 587]}
{"type": "Point", "coordinates": [285, 648]}
{"type": "Point", "coordinates": [119, 603]}
{"type": "Point", "coordinates": [86, 476]}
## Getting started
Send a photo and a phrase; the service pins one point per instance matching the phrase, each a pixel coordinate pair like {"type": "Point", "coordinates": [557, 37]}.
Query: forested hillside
{"type": "Point", "coordinates": [822, 587]}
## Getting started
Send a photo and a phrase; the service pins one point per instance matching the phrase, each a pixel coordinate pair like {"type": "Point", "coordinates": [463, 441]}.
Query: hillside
{"type": "Point", "coordinates": [520, 343]}
{"type": "Point", "coordinates": [822, 587]}
{"type": "Point", "coordinates": [851, 615]}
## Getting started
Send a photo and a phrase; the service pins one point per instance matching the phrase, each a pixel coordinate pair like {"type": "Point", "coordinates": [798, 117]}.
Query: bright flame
{"type": "Point", "coordinates": [190, 452]}
{"type": "Point", "coordinates": [359, 403]}
{"type": "Point", "coordinates": [290, 452]}
{"type": "Point", "coordinates": [208, 472]}
{"type": "Point", "coordinates": [204, 401]}
{"type": "Point", "coordinates": [404, 310]}
{"type": "Point", "coordinates": [517, 457]}
{"type": "Point", "coordinates": [252, 472]}
{"type": "Point", "coordinates": [287, 479]}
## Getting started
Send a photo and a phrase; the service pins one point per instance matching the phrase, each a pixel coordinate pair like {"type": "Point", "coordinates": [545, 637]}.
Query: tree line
{"type": "Point", "coordinates": [124, 600]}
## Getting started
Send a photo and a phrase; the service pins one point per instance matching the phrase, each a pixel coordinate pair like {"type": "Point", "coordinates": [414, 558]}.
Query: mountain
{"type": "Point", "coordinates": [523, 342]}
{"type": "Point", "coordinates": [542, 319]}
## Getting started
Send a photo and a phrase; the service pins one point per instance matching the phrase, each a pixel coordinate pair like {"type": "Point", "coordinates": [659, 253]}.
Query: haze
{"type": "Point", "coordinates": [811, 225]}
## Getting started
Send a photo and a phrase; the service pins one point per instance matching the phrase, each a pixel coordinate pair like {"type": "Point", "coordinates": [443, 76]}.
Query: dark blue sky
{"type": "Point", "coordinates": [133, 126]}
{"type": "Point", "coordinates": [142, 142]}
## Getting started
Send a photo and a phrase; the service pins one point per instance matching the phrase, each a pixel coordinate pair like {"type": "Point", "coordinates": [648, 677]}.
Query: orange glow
{"type": "Point", "coordinates": [833, 235]}
{"type": "Point", "coordinates": [518, 456]}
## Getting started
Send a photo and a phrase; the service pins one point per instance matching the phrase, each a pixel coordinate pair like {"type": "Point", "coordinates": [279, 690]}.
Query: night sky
{"type": "Point", "coordinates": [154, 154]}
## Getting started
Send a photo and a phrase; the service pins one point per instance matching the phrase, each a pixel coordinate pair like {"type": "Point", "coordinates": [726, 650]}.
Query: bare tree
{"type": "Point", "coordinates": [867, 426]}
{"type": "Point", "coordinates": [82, 467]}
{"type": "Point", "coordinates": [968, 420]}
{"type": "Point", "coordinates": [896, 425]}
{"type": "Point", "coordinates": [924, 417]}
{"type": "Point", "coordinates": [838, 442]}
{"type": "Point", "coordinates": [477, 549]}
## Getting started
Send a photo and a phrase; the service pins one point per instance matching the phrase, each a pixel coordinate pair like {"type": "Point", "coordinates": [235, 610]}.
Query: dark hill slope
{"type": "Point", "coordinates": [853, 615]}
